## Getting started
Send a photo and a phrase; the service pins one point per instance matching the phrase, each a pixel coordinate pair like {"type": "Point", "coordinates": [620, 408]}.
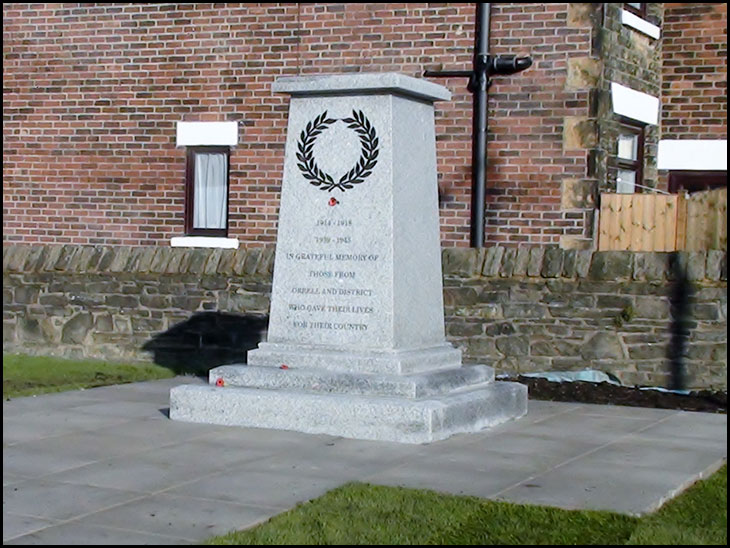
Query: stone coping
{"type": "Point", "coordinates": [553, 262]}
{"type": "Point", "coordinates": [369, 82]}
{"type": "Point", "coordinates": [253, 262]}
{"type": "Point", "coordinates": [493, 262]}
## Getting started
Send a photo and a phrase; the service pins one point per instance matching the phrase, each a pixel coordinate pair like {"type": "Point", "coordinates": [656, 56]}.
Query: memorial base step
{"type": "Point", "coordinates": [382, 418]}
{"type": "Point", "coordinates": [387, 362]}
{"type": "Point", "coordinates": [420, 385]}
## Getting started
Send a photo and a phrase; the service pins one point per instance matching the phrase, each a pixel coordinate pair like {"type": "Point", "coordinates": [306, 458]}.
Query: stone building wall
{"type": "Point", "coordinates": [520, 310]}
{"type": "Point", "coordinates": [632, 59]}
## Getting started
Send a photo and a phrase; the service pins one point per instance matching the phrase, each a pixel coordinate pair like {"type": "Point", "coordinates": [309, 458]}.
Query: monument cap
{"type": "Point", "coordinates": [361, 83]}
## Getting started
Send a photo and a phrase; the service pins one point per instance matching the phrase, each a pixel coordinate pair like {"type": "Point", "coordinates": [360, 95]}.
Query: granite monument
{"type": "Point", "coordinates": [356, 344]}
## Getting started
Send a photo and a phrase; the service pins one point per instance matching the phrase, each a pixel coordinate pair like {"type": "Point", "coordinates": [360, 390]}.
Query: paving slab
{"type": "Point", "coordinates": [17, 407]}
{"type": "Point", "coordinates": [336, 458]}
{"type": "Point", "coordinates": [277, 491]}
{"type": "Point", "coordinates": [187, 517]}
{"type": "Point", "coordinates": [158, 433]}
{"type": "Point", "coordinates": [588, 483]}
{"type": "Point", "coordinates": [481, 475]}
{"type": "Point", "coordinates": [94, 446]}
{"type": "Point", "coordinates": [80, 534]}
{"type": "Point", "coordinates": [33, 426]}
{"type": "Point", "coordinates": [133, 474]}
{"type": "Point", "coordinates": [61, 501]}
{"type": "Point", "coordinates": [663, 454]}
{"type": "Point", "coordinates": [28, 462]}
{"type": "Point", "coordinates": [106, 465]}
{"type": "Point", "coordinates": [222, 453]}
{"type": "Point", "coordinates": [15, 526]}
{"type": "Point", "coordinates": [125, 409]}
{"type": "Point", "coordinates": [590, 428]}
{"type": "Point", "coordinates": [11, 479]}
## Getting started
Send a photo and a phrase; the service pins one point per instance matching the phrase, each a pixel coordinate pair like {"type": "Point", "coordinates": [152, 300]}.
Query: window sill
{"type": "Point", "coordinates": [642, 25]}
{"type": "Point", "coordinates": [204, 241]}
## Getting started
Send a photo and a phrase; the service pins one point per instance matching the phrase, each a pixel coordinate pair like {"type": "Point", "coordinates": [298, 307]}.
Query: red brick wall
{"type": "Point", "coordinates": [92, 97]}
{"type": "Point", "coordinates": [93, 93]}
{"type": "Point", "coordinates": [694, 88]}
{"type": "Point", "coordinates": [528, 159]}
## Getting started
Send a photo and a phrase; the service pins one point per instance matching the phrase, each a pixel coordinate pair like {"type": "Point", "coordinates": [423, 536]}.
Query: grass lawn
{"type": "Point", "coordinates": [29, 375]}
{"type": "Point", "coordinates": [366, 514]}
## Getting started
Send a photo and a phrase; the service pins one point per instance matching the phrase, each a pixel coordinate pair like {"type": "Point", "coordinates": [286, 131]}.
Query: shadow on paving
{"type": "Point", "coordinates": [207, 340]}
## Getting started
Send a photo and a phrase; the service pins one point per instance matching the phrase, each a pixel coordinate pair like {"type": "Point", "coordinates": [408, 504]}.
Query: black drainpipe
{"type": "Point", "coordinates": [484, 66]}
{"type": "Point", "coordinates": [478, 85]}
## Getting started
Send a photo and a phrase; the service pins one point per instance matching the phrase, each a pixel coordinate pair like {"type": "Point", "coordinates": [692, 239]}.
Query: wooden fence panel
{"type": "Point", "coordinates": [707, 220]}
{"type": "Point", "coordinates": [656, 222]}
{"type": "Point", "coordinates": [659, 229]}
{"type": "Point", "coordinates": [624, 222]}
{"type": "Point", "coordinates": [670, 211]}
{"type": "Point", "coordinates": [638, 222]}
{"type": "Point", "coordinates": [681, 238]}
{"type": "Point", "coordinates": [607, 221]}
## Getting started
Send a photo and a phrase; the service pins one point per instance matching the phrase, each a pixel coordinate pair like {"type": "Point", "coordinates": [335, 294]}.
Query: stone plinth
{"type": "Point", "coordinates": [371, 407]}
{"type": "Point", "coordinates": [357, 302]}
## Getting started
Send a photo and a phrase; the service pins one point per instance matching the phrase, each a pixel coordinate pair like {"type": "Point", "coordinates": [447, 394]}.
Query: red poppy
{"type": "Point", "coordinates": [219, 382]}
{"type": "Point", "coordinates": [333, 201]}
{"type": "Point", "coordinates": [284, 367]}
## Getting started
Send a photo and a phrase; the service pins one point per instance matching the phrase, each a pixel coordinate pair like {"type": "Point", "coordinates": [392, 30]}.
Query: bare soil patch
{"type": "Point", "coordinates": [708, 401]}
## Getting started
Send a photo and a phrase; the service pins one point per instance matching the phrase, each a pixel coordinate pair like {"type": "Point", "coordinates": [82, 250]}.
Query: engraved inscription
{"type": "Point", "coordinates": [327, 292]}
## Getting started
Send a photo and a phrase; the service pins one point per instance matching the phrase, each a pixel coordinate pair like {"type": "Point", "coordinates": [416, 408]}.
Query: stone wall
{"type": "Point", "coordinates": [521, 310]}
{"type": "Point", "coordinates": [109, 301]}
{"type": "Point", "coordinates": [526, 310]}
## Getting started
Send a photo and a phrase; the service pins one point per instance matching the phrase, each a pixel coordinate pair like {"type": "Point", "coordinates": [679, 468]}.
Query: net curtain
{"type": "Point", "coordinates": [211, 195]}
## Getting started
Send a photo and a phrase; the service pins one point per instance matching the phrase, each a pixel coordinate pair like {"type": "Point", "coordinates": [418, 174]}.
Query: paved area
{"type": "Point", "coordinates": [106, 466]}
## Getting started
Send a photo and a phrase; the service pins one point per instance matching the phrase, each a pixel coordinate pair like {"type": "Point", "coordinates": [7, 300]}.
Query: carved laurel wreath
{"type": "Point", "coordinates": [368, 152]}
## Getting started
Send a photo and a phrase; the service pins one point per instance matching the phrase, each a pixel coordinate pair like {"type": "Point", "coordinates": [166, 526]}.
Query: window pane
{"type": "Point", "coordinates": [628, 146]}
{"type": "Point", "coordinates": [210, 195]}
{"type": "Point", "coordinates": [637, 6]}
{"type": "Point", "coordinates": [625, 181]}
